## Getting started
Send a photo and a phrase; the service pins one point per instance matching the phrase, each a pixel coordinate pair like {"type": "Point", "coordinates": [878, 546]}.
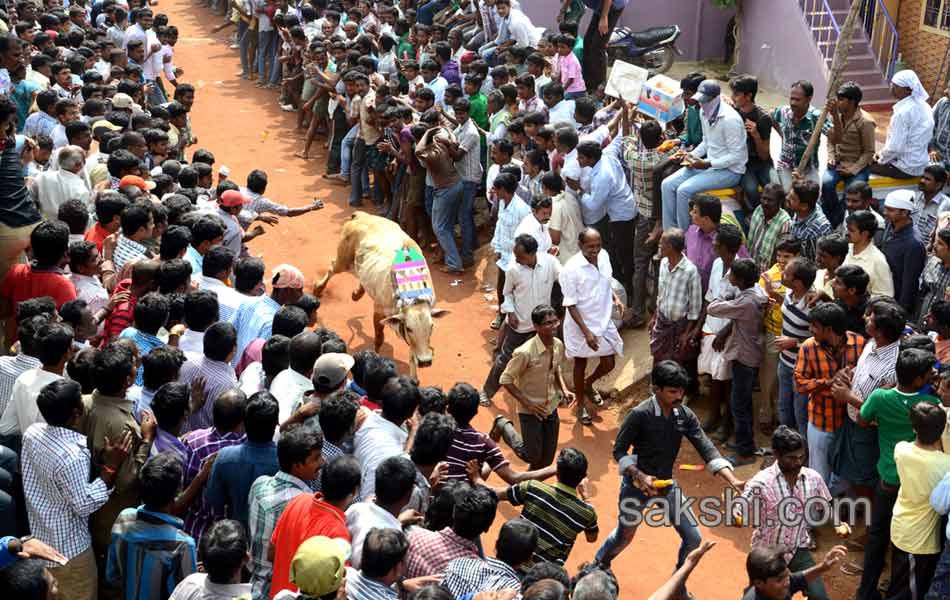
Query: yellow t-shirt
{"type": "Point", "coordinates": [914, 528]}
{"type": "Point", "coordinates": [773, 313]}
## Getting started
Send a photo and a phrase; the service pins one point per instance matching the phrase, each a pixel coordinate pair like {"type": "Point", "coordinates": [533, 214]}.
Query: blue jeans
{"type": "Point", "coordinates": [632, 499]}
{"type": "Point", "coordinates": [426, 13]}
{"type": "Point", "coordinates": [430, 195]}
{"type": "Point", "coordinates": [792, 406]}
{"type": "Point", "coordinates": [266, 53]}
{"type": "Point", "coordinates": [819, 444]}
{"type": "Point", "coordinates": [467, 220]}
{"type": "Point", "coordinates": [155, 96]}
{"type": "Point", "coordinates": [8, 466]}
{"type": "Point", "coordinates": [574, 95]}
{"type": "Point", "coordinates": [757, 174]}
{"type": "Point", "coordinates": [743, 378]}
{"type": "Point", "coordinates": [244, 40]}
{"type": "Point", "coordinates": [679, 188]}
{"type": "Point", "coordinates": [831, 203]}
{"type": "Point", "coordinates": [445, 207]}
{"type": "Point", "coordinates": [358, 173]}
{"type": "Point", "coordinates": [346, 151]}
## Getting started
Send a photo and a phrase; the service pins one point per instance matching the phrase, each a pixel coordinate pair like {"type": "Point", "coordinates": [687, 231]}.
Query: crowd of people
{"type": "Point", "coordinates": [175, 421]}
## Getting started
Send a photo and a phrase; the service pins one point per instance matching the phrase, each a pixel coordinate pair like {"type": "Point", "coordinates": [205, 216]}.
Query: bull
{"type": "Point", "coordinates": [367, 247]}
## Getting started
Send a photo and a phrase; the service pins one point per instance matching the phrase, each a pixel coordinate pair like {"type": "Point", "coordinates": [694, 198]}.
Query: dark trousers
{"type": "Point", "coordinates": [879, 538]}
{"type": "Point", "coordinates": [642, 256]}
{"type": "Point", "coordinates": [594, 67]}
{"type": "Point", "coordinates": [621, 249]}
{"type": "Point", "coordinates": [510, 341]}
{"type": "Point", "coordinates": [801, 561]}
{"type": "Point", "coordinates": [911, 574]}
{"type": "Point", "coordinates": [537, 442]}
{"type": "Point", "coordinates": [889, 170]}
{"type": "Point", "coordinates": [340, 127]}
{"type": "Point", "coordinates": [743, 378]}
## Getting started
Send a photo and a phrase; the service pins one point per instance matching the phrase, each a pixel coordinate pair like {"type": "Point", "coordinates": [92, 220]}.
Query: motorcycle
{"type": "Point", "coordinates": [653, 49]}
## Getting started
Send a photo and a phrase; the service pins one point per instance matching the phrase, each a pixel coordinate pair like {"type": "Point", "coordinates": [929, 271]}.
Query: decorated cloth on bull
{"type": "Point", "coordinates": [411, 279]}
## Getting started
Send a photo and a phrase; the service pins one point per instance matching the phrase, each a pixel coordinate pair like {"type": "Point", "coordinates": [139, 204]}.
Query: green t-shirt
{"type": "Point", "coordinates": [891, 410]}
{"type": "Point", "coordinates": [479, 109]}
{"type": "Point", "coordinates": [579, 48]}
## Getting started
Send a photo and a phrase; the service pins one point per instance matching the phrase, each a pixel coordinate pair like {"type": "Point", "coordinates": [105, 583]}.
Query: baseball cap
{"type": "Point", "coordinates": [331, 368]}
{"type": "Point", "coordinates": [122, 100]}
{"type": "Point", "coordinates": [137, 182]}
{"type": "Point", "coordinates": [902, 199]}
{"type": "Point", "coordinates": [233, 198]}
{"type": "Point", "coordinates": [318, 565]}
{"type": "Point", "coordinates": [106, 124]}
{"type": "Point", "coordinates": [708, 90]}
{"type": "Point", "coordinates": [287, 276]}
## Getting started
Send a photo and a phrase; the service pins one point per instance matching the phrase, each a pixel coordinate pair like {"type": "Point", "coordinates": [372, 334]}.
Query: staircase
{"type": "Point", "coordinates": [873, 51]}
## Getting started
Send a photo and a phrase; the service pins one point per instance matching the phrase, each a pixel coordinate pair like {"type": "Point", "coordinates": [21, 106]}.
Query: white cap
{"type": "Point", "coordinates": [224, 171]}
{"type": "Point", "coordinates": [901, 199]}
{"type": "Point", "coordinates": [157, 170]}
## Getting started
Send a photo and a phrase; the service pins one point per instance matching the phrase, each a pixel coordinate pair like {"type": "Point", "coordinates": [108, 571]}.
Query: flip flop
{"type": "Point", "coordinates": [595, 397]}
{"type": "Point", "coordinates": [586, 418]}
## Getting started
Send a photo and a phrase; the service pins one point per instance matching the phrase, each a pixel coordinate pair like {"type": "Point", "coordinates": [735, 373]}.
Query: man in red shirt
{"type": "Point", "coordinates": [42, 277]}
{"type": "Point", "coordinates": [309, 515]}
{"type": "Point", "coordinates": [141, 283]}
{"type": "Point", "coordinates": [109, 207]}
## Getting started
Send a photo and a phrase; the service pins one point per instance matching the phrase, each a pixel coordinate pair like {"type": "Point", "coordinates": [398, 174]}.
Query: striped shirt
{"type": "Point", "coordinates": [876, 368]}
{"type": "Point", "coordinates": [559, 513]}
{"type": "Point", "coordinates": [376, 440]}
{"type": "Point", "coordinates": [465, 576]}
{"type": "Point", "coordinates": [126, 251]}
{"type": "Point", "coordinates": [12, 367]}
{"type": "Point", "coordinates": [470, 444]}
{"type": "Point", "coordinates": [503, 241]}
{"type": "Point", "coordinates": [796, 323]}
{"type": "Point", "coordinates": [56, 462]}
{"type": "Point", "coordinates": [764, 235]}
{"type": "Point", "coordinates": [430, 552]}
{"type": "Point", "coordinates": [219, 377]}
{"type": "Point", "coordinates": [360, 587]}
{"type": "Point", "coordinates": [267, 499]}
{"type": "Point", "coordinates": [229, 299]}
{"type": "Point", "coordinates": [809, 230]}
{"type": "Point", "coordinates": [200, 446]}
{"type": "Point", "coordinates": [253, 320]}
{"type": "Point", "coordinates": [816, 364]}
{"type": "Point", "coordinates": [934, 281]}
{"type": "Point", "coordinates": [149, 554]}
{"type": "Point", "coordinates": [782, 505]}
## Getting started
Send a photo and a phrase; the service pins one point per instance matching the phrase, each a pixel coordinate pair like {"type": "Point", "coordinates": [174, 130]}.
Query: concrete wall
{"type": "Point", "coordinates": [779, 55]}
{"type": "Point", "coordinates": [703, 25]}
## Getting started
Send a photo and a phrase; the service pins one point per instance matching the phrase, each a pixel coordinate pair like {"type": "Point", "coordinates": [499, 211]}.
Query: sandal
{"type": "Point", "coordinates": [483, 398]}
{"type": "Point", "coordinates": [585, 417]}
{"type": "Point", "coordinates": [497, 321]}
{"type": "Point", "coordinates": [595, 397]}
{"type": "Point", "coordinates": [852, 568]}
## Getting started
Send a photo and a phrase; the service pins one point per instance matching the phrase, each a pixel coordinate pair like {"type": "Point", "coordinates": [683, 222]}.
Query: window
{"type": "Point", "coordinates": [936, 15]}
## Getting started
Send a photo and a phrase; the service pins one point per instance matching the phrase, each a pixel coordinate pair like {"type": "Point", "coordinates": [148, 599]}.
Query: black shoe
{"type": "Point", "coordinates": [483, 398]}
{"type": "Point", "coordinates": [720, 435]}
{"type": "Point", "coordinates": [711, 425]}
{"type": "Point", "coordinates": [739, 460]}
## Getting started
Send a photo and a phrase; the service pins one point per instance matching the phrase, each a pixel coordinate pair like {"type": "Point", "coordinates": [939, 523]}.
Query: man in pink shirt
{"type": "Point", "coordinates": [568, 68]}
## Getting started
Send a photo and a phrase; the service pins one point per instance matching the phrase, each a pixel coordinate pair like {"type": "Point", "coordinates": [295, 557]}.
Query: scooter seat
{"type": "Point", "coordinates": [652, 36]}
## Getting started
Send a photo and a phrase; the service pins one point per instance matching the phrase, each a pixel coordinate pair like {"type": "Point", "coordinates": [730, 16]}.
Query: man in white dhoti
{"type": "Point", "coordinates": [588, 328]}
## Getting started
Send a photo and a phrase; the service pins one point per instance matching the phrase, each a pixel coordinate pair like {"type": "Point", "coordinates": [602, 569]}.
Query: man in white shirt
{"type": "Point", "coordinates": [152, 63]}
{"type": "Point", "coordinates": [54, 347]}
{"type": "Point", "coordinates": [396, 477]}
{"type": "Point", "coordinates": [905, 152]}
{"type": "Point", "coordinates": [724, 148]}
{"type": "Point", "coordinates": [290, 385]}
{"type": "Point", "coordinates": [515, 30]}
{"type": "Point", "coordinates": [434, 81]}
{"type": "Point", "coordinates": [85, 264]}
{"type": "Point", "coordinates": [381, 435]}
{"type": "Point", "coordinates": [560, 111]}
{"type": "Point", "coordinates": [528, 284]}
{"type": "Point", "coordinates": [52, 188]}
{"type": "Point", "coordinates": [216, 267]}
{"type": "Point", "coordinates": [588, 329]}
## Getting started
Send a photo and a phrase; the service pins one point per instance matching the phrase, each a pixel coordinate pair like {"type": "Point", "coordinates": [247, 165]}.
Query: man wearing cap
{"type": "Point", "coordinates": [230, 204]}
{"type": "Point", "coordinates": [318, 568]}
{"type": "Point", "coordinates": [724, 148]}
{"type": "Point", "coordinates": [328, 376]}
{"type": "Point", "coordinates": [903, 249]}
{"type": "Point", "coordinates": [905, 154]}
{"type": "Point", "coordinates": [255, 317]}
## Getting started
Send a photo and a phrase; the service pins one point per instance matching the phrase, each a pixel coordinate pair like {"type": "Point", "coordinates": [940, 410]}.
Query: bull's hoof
{"type": "Point", "coordinates": [357, 293]}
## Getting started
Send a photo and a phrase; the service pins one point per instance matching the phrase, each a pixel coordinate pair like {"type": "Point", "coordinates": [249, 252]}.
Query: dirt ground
{"type": "Point", "coordinates": [246, 129]}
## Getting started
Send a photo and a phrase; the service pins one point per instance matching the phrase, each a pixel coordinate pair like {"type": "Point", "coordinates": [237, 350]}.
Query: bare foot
{"type": "Point", "coordinates": [303, 155]}
{"type": "Point", "coordinates": [450, 270]}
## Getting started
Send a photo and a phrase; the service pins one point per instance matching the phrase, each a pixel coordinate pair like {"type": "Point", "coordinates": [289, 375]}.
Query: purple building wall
{"type": "Point", "coordinates": [780, 55]}
{"type": "Point", "coordinates": [702, 23]}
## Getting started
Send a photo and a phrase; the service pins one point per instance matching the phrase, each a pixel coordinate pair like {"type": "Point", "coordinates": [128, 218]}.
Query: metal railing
{"type": "Point", "coordinates": [882, 35]}
{"type": "Point", "coordinates": [824, 27]}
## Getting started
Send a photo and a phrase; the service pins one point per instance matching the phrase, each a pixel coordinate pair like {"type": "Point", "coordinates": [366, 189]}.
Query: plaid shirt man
{"type": "Point", "coordinates": [813, 372]}
{"type": "Point", "coordinates": [876, 368]}
{"type": "Point", "coordinates": [267, 499]}
{"type": "Point", "coordinates": [201, 445]}
{"type": "Point", "coordinates": [679, 290]}
{"type": "Point", "coordinates": [12, 367]}
{"type": "Point", "coordinates": [59, 496]}
{"type": "Point", "coordinates": [430, 552]}
{"type": "Point", "coordinates": [809, 229]}
{"type": "Point", "coordinates": [782, 504]}
{"type": "Point", "coordinates": [466, 576]}
{"type": "Point", "coordinates": [763, 236]}
{"type": "Point", "coordinates": [934, 281]}
{"type": "Point", "coordinates": [796, 135]}
{"type": "Point", "coordinates": [641, 164]}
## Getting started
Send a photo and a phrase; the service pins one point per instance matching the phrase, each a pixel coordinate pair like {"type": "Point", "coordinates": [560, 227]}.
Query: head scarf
{"type": "Point", "coordinates": [909, 79]}
{"type": "Point", "coordinates": [711, 108]}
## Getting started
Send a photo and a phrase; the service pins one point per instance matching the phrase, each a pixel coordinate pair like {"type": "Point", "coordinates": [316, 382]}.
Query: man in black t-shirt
{"type": "Point", "coordinates": [758, 126]}
{"type": "Point", "coordinates": [769, 576]}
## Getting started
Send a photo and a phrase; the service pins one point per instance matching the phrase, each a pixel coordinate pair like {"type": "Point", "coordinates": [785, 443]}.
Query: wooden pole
{"type": "Point", "coordinates": [838, 63]}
